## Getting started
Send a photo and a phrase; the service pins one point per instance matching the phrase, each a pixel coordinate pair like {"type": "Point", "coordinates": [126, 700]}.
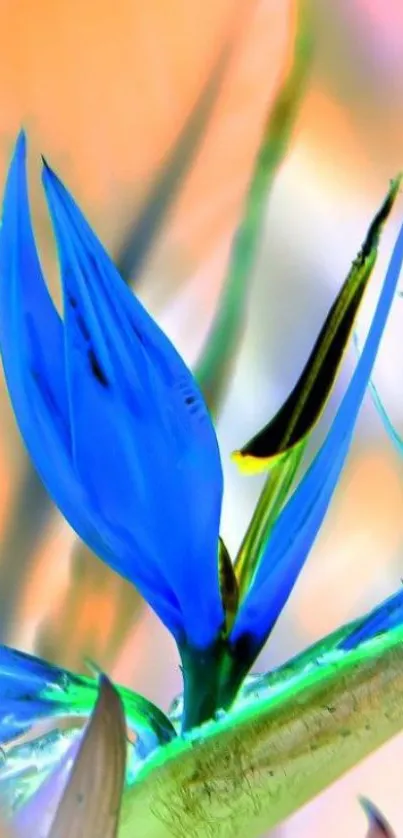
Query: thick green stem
{"type": "Point", "coordinates": [212, 678]}
{"type": "Point", "coordinates": [244, 774]}
{"type": "Point", "coordinates": [201, 683]}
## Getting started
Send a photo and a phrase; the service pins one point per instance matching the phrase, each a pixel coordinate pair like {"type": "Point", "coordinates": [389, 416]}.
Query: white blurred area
{"type": "Point", "coordinates": [347, 144]}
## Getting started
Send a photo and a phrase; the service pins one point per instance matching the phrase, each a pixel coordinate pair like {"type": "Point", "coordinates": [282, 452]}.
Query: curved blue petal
{"type": "Point", "coordinates": [142, 440]}
{"type": "Point", "coordinates": [31, 344]}
{"type": "Point", "coordinates": [26, 305]}
{"type": "Point", "coordinates": [299, 522]}
{"type": "Point", "coordinates": [32, 352]}
{"type": "Point", "coordinates": [386, 616]}
{"type": "Point", "coordinates": [32, 689]}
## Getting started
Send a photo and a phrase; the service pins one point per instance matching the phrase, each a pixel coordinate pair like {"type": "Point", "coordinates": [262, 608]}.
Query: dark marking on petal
{"type": "Point", "coordinates": [190, 397]}
{"type": "Point", "coordinates": [96, 368]}
{"type": "Point", "coordinates": [83, 328]}
{"type": "Point", "coordinates": [79, 318]}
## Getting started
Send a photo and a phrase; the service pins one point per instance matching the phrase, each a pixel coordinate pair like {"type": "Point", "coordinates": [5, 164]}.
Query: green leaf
{"type": "Point", "coordinates": [281, 444]}
{"type": "Point", "coordinates": [219, 352]}
{"type": "Point", "coordinates": [246, 773]}
{"type": "Point", "coordinates": [267, 509]}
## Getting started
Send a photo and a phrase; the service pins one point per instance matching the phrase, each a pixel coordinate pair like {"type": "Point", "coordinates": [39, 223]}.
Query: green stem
{"type": "Point", "coordinates": [211, 680]}
{"type": "Point", "coordinates": [245, 774]}
{"type": "Point", "coordinates": [267, 510]}
{"type": "Point", "coordinates": [201, 679]}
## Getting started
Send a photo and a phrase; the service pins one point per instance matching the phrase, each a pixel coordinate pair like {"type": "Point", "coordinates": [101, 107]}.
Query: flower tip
{"type": "Point", "coordinates": [396, 183]}
{"type": "Point", "coordinates": [19, 152]}
{"type": "Point", "coordinates": [20, 148]}
{"type": "Point", "coordinates": [15, 184]}
{"type": "Point", "coordinates": [377, 822]}
{"type": "Point", "coordinates": [48, 174]}
{"type": "Point", "coordinates": [104, 682]}
{"type": "Point", "coordinates": [248, 464]}
{"type": "Point", "coordinates": [55, 190]}
{"type": "Point", "coordinates": [367, 806]}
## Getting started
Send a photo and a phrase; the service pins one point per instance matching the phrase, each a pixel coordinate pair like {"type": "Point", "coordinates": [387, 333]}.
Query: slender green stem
{"type": "Point", "coordinates": [201, 683]}
{"type": "Point", "coordinates": [266, 512]}
{"type": "Point", "coordinates": [212, 678]}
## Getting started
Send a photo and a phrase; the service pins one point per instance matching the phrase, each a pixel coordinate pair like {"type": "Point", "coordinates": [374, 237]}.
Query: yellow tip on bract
{"type": "Point", "coordinates": [252, 465]}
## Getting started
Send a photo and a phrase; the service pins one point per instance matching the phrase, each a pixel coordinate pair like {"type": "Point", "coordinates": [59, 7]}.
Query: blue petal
{"type": "Point", "coordinates": [26, 303]}
{"type": "Point", "coordinates": [31, 344]}
{"type": "Point", "coordinates": [142, 440]}
{"type": "Point", "coordinates": [386, 616]}
{"type": "Point", "coordinates": [24, 700]}
{"type": "Point", "coordinates": [32, 350]}
{"type": "Point", "coordinates": [298, 524]}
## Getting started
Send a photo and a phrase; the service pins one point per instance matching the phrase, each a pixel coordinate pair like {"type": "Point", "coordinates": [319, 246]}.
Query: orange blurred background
{"type": "Point", "coordinates": [103, 89]}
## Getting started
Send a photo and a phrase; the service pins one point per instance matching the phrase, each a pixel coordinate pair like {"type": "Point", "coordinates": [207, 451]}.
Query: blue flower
{"type": "Point", "coordinates": [119, 432]}
{"type": "Point", "coordinates": [110, 414]}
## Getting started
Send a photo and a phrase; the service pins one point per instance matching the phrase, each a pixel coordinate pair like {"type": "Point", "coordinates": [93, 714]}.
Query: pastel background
{"type": "Point", "coordinates": [103, 88]}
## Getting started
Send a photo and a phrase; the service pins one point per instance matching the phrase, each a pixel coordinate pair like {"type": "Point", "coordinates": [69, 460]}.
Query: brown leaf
{"type": "Point", "coordinates": [90, 804]}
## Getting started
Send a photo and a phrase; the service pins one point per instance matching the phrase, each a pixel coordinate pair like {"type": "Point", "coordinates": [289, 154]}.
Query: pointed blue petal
{"type": "Point", "coordinates": [26, 687]}
{"type": "Point", "coordinates": [26, 304]}
{"type": "Point", "coordinates": [386, 616]}
{"type": "Point", "coordinates": [31, 344]}
{"type": "Point", "coordinates": [298, 524]}
{"type": "Point", "coordinates": [150, 461]}
{"type": "Point", "coordinates": [32, 350]}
